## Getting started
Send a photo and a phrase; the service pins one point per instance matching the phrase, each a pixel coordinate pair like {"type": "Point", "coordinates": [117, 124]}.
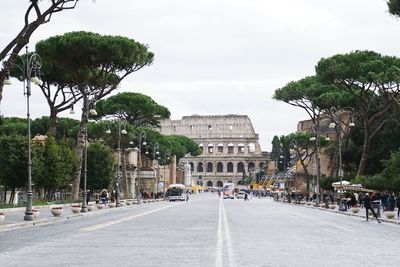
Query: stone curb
{"type": "Point", "coordinates": [50, 220]}
{"type": "Point", "coordinates": [340, 212]}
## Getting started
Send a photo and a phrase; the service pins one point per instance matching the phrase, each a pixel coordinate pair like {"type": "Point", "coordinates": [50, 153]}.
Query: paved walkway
{"type": "Point", "coordinates": [14, 217]}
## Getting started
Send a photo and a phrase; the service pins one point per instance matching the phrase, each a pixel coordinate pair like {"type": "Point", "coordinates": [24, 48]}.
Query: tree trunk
{"type": "Point", "coordinates": [53, 121]}
{"type": "Point", "coordinates": [79, 149]}
{"type": "Point", "coordinates": [124, 176]}
{"type": "Point", "coordinates": [365, 153]}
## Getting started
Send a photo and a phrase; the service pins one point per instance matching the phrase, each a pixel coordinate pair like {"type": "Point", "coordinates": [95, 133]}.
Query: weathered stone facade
{"type": "Point", "coordinates": [230, 147]}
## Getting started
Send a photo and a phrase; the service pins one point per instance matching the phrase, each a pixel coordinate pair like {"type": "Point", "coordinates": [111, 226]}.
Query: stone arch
{"type": "Point", "coordinates": [210, 167]}
{"type": "Point", "coordinates": [230, 148]}
{"type": "Point", "coordinates": [241, 148]}
{"type": "Point", "coordinates": [261, 165]}
{"type": "Point", "coordinates": [251, 166]}
{"type": "Point", "coordinates": [229, 167]}
{"type": "Point", "coordinates": [240, 167]}
{"type": "Point", "coordinates": [209, 183]}
{"type": "Point", "coordinates": [200, 167]}
{"type": "Point", "coordinates": [220, 167]}
{"type": "Point", "coordinates": [220, 148]}
{"type": "Point", "coordinates": [191, 166]}
{"type": "Point", "coordinates": [210, 148]}
{"type": "Point", "coordinates": [251, 147]}
{"type": "Point", "coordinates": [201, 147]}
{"type": "Point", "coordinates": [219, 184]}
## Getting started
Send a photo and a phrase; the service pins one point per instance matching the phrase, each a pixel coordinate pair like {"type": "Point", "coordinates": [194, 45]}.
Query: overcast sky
{"type": "Point", "coordinates": [218, 56]}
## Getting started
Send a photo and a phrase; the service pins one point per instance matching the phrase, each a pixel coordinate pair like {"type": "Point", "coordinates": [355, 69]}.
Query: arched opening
{"type": "Point", "coordinates": [230, 148]}
{"type": "Point", "coordinates": [252, 148]}
{"type": "Point", "coordinates": [210, 148]}
{"type": "Point", "coordinates": [241, 148]}
{"type": "Point", "coordinates": [220, 148]}
{"type": "Point", "coordinates": [191, 166]}
{"type": "Point", "coordinates": [209, 167]}
{"type": "Point", "coordinates": [240, 167]}
{"type": "Point", "coordinates": [200, 167]}
{"type": "Point", "coordinates": [251, 167]}
{"type": "Point", "coordinates": [219, 184]}
{"type": "Point", "coordinates": [201, 147]}
{"type": "Point", "coordinates": [209, 183]}
{"type": "Point", "coordinates": [220, 167]}
{"type": "Point", "coordinates": [229, 167]}
{"type": "Point", "coordinates": [261, 165]}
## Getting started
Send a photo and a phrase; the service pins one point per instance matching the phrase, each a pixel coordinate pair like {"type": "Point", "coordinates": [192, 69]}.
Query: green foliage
{"type": "Point", "coordinates": [14, 126]}
{"type": "Point", "coordinates": [394, 7]}
{"type": "Point", "coordinates": [276, 148]}
{"type": "Point", "coordinates": [100, 166]}
{"type": "Point", "coordinates": [138, 109]}
{"type": "Point", "coordinates": [326, 183]}
{"type": "Point", "coordinates": [13, 161]}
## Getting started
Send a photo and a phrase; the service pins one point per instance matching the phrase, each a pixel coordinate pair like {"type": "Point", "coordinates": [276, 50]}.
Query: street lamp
{"type": "Point", "coordinates": [166, 158]}
{"type": "Point", "coordinates": [316, 139]}
{"type": "Point", "coordinates": [156, 157]}
{"type": "Point", "coordinates": [118, 169]}
{"type": "Point", "coordinates": [337, 125]}
{"type": "Point", "coordinates": [88, 110]}
{"type": "Point", "coordinates": [141, 136]}
{"type": "Point", "coordinates": [31, 65]}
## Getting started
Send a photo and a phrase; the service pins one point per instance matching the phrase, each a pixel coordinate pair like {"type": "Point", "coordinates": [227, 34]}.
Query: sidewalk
{"type": "Point", "coordinates": [349, 212]}
{"type": "Point", "coordinates": [14, 217]}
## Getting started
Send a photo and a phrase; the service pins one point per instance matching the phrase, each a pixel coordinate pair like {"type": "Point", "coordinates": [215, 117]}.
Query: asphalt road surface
{"type": "Point", "coordinates": [206, 231]}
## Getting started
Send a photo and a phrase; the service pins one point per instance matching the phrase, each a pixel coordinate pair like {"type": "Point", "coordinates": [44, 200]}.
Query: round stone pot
{"type": "Point", "coordinates": [129, 202]}
{"type": "Point", "coordinates": [111, 204]}
{"type": "Point", "coordinates": [2, 218]}
{"type": "Point", "coordinates": [76, 209]}
{"type": "Point", "coordinates": [90, 207]}
{"type": "Point", "coordinates": [100, 206]}
{"type": "Point", "coordinates": [56, 212]}
{"type": "Point", "coordinates": [36, 213]}
{"type": "Point", "coordinates": [389, 214]}
{"type": "Point", "coordinates": [332, 206]}
{"type": "Point", "coordinates": [355, 209]}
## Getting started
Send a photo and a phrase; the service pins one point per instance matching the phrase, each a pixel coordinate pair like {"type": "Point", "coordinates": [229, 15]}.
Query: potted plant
{"type": "Point", "coordinates": [389, 214]}
{"type": "Point", "coordinates": [2, 216]}
{"type": "Point", "coordinates": [56, 210]}
{"type": "Point", "coordinates": [75, 208]}
{"type": "Point", "coordinates": [355, 209]}
{"type": "Point", "coordinates": [35, 213]}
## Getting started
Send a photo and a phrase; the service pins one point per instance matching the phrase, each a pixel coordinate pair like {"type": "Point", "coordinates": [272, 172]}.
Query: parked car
{"type": "Point", "coordinates": [240, 194]}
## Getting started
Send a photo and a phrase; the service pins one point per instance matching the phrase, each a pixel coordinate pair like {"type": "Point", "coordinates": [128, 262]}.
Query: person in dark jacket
{"type": "Point", "coordinates": [368, 206]}
{"type": "Point", "coordinates": [398, 205]}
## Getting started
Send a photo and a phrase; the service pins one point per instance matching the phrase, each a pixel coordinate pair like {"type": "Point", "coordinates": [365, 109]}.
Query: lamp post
{"type": "Point", "coordinates": [166, 158]}
{"type": "Point", "coordinates": [337, 125]}
{"type": "Point", "coordinates": [141, 136]}
{"type": "Point", "coordinates": [88, 110]}
{"type": "Point", "coordinates": [31, 64]}
{"type": "Point", "coordinates": [316, 139]}
{"type": "Point", "coordinates": [118, 168]}
{"type": "Point", "coordinates": [156, 157]}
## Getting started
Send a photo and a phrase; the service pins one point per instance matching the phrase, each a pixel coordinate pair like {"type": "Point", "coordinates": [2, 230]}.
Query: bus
{"type": "Point", "coordinates": [229, 190]}
{"type": "Point", "coordinates": [176, 192]}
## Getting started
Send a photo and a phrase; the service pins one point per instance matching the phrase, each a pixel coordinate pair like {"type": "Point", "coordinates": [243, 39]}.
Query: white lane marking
{"type": "Point", "coordinates": [219, 236]}
{"type": "Point", "coordinates": [102, 225]}
{"type": "Point", "coordinates": [232, 261]}
{"type": "Point", "coordinates": [345, 229]}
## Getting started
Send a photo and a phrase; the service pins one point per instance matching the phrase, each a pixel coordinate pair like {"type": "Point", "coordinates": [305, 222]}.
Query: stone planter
{"type": "Point", "coordinates": [56, 211]}
{"type": "Point", "coordinates": [35, 213]}
{"type": "Point", "coordinates": [76, 208]}
{"type": "Point", "coordinates": [2, 217]}
{"type": "Point", "coordinates": [100, 206]}
{"type": "Point", "coordinates": [316, 205]}
{"type": "Point", "coordinates": [355, 209]}
{"type": "Point", "coordinates": [389, 214]}
{"type": "Point", "coordinates": [129, 202]}
{"type": "Point", "coordinates": [332, 206]}
{"type": "Point", "coordinates": [302, 202]}
{"type": "Point", "coordinates": [309, 203]}
{"type": "Point", "coordinates": [90, 207]}
{"type": "Point", "coordinates": [111, 204]}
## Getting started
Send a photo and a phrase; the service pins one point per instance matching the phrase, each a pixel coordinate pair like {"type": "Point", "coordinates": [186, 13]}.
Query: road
{"type": "Point", "coordinates": [206, 231]}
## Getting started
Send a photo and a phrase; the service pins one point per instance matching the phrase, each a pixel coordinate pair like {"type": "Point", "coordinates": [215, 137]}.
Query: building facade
{"type": "Point", "coordinates": [230, 147]}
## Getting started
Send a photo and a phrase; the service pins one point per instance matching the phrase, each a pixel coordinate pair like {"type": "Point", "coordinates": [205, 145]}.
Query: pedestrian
{"type": "Point", "coordinates": [368, 206]}
{"type": "Point", "coordinates": [246, 197]}
{"type": "Point", "coordinates": [187, 195]}
{"type": "Point", "coordinates": [398, 205]}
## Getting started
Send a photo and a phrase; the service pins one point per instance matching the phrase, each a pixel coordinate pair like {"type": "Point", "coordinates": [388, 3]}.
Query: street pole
{"type": "Point", "coordinates": [156, 147]}
{"type": "Point", "coordinates": [117, 203]}
{"type": "Point", "coordinates": [142, 135]}
{"type": "Point", "coordinates": [30, 65]}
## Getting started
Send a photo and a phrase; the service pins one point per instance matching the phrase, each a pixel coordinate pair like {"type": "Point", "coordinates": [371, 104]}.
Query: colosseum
{"type": "Point", "coordinates": [230, 147]}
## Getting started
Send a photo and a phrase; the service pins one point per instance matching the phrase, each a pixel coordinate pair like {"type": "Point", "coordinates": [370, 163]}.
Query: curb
{"type": "Point", "coordinates": [339, 212]}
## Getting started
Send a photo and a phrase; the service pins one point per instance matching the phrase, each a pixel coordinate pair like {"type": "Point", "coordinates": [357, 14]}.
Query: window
{"type": "Point", "coordinates": [230, 148]}
{"type": "Point", "coordinates": [240, 167]}
{"type": "Point", "coordinates": [220, 148]}
{"type": "Point", "coordinates": [210, 148]}
{"type": "Point", "coordinates": [220, 167]}
{"type": "Point", "coordinates": [251, 167]}
{"type": "Point", "coordinates": [229, 167]}
{"type": "Point", "coordinates": [200, 167]}
{"type": "Point", "coordinates": [201, 147]}
{"type": "Point", "coordinates": [209, 167]}
{"type": "Point", "coordinates": [240, 148]}
{"type": "Point", "coordinates": [191, 166]}
{"type": "Point", "coordinates": [252, 148]}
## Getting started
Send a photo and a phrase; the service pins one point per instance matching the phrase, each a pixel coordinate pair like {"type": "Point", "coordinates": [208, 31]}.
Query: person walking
{"type": "Point", "coordinates": [368, 206]}
{"type": "Point", "coordinates": [187, 195]}
{"type": "Point", "coordinates": [398, 205]}
{"type": "Point", "coordinates": [246, 197]}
